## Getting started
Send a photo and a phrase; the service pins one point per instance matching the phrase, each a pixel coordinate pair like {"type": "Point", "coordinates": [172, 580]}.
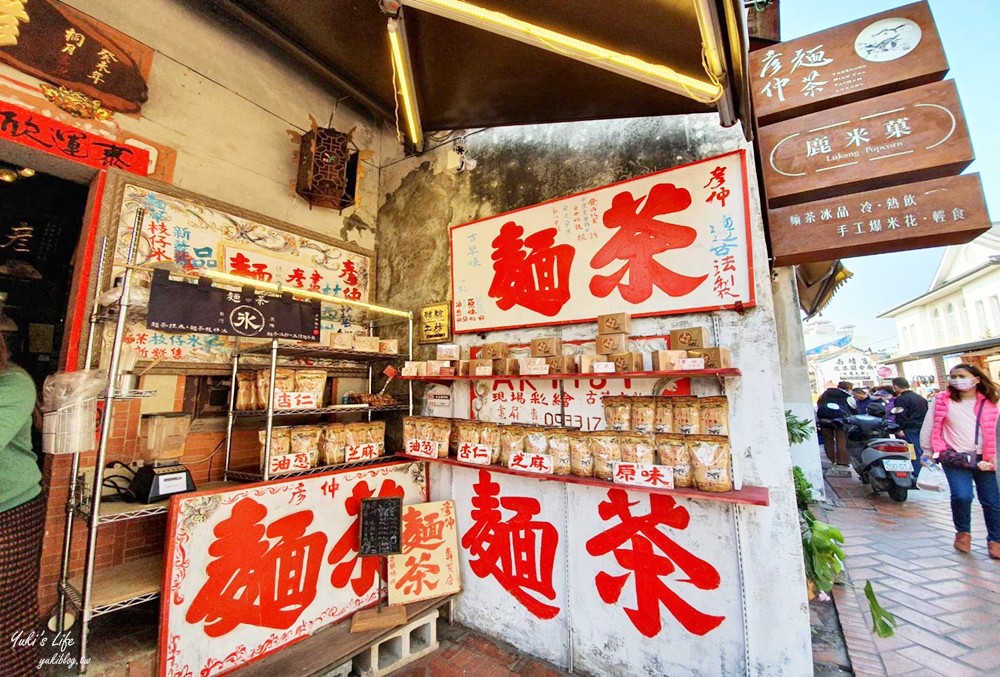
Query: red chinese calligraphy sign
{"type": "Point", "coordinates": [428, 565]}
{"type": "Point", "coordinates": [251, 569]}
{"type": "Point", "coordinates": [677, 241]}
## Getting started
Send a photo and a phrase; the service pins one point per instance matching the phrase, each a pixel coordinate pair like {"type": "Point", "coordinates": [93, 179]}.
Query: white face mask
{"type": "Point", "coordinates": [962, 383]}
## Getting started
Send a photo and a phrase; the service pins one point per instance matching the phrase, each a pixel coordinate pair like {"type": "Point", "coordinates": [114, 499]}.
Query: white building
{"type": "Point", "coordinates": [958, 318]}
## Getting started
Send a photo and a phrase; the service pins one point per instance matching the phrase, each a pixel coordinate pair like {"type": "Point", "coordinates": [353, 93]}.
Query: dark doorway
{"type": "Point", "coordinates": [40, 221]}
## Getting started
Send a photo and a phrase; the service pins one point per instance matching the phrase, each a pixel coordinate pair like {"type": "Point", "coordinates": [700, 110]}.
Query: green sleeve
{"type": "Point", "coordinates": [17, 401]}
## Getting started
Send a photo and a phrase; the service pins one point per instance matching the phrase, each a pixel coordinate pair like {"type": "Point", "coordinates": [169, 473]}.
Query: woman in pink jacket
{"type": "Point", "coordinates": [963, 419]}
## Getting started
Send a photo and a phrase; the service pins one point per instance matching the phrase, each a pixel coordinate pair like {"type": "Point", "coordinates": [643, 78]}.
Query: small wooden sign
{"type": "Point", "coordinates": [931, 213]}
{"type": "Point", "coordinates": [869, 57]}
{"type": "Point", "coordinates": [435, 323]}
{"type": "Point", "coordinates": [381, 526]}
{"type": "Point", "coordinates": [912, 135]}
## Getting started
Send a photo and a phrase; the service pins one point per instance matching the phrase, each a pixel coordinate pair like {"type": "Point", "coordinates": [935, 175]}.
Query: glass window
{"type": "Point", "coordinates": [995, 312]}
{"type": "Point", "coordinates": [984, 324]}
{"type": "Point", "coordinates": [938, 326]}
{"type": "Point", "coordinates": [963, 315]}
{"type": "Point", "coordinates": [952, 318]}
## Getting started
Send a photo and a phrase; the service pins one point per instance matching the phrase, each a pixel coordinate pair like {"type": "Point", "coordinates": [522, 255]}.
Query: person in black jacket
{"type": "Point", "coordinates": [910, 410]}
{"type": "Point", "coordinates": [841, 396]}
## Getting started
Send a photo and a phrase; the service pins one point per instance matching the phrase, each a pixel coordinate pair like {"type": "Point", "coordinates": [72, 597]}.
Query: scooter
{"type": "Point", "coordinates": [881, 461]}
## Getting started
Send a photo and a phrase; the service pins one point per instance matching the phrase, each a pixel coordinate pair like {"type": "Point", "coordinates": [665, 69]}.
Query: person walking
{"type": "Point", "coordinates": [961, 436]}
{"type": "Point", "coordinates": [22, 520]}
{"type": "Point", "coordinates": [909, 410]}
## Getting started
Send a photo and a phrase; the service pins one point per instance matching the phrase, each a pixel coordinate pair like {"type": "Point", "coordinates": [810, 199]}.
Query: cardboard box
{"type": "Point", "coordinates": [666, 360]}
{"type": "Point", "coordinates": [689, 339]}
{"type": "Point", "coordinates": [611, 344]}
{"type": "Point", "coordinates": [614, 323]}
{"type": "Point", "coordinates": [366, 344]}
{"type": "Point", "coordinates": [465, 367]}
{"type": "Point", "coordinates": [533, 366]}
{"type": "Point", "coordinates": [548, 346]}
{"type": "Point", "coordinates": [715, 358]}
{"type": "Point", "coordinates": [563, 364]}
{"type": "Point", "coordinates": [506, 366]}
{"type": "Point", "coordinates": [341, 341]}
{"type": "Point", "coordinates": [627, 361]}
{"type": "Point", "coordinates": [434, 367]}
{"type": "Point", "coordinates": [449, 351]}
{"type": "Point", "coordinates": [414, 369]}
{"type": "Point", "coordinates": [480, 367]}
{"type": "Point", "coordinates": [494, 351]}
{"type": "Point", "coordinates": [689, 363]}
{"type": "Point", "coordinates": [388, 346]}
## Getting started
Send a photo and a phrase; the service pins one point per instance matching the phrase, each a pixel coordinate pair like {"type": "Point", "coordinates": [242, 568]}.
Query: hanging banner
{"type": "Point", "coordinates": [251, 569]}
{"type": "Point", "coordinates": [677, 241]}
{"type": "Point", "coordinates": [885, 52]}
{"type": "Point", "coordinates": [913, 135]}
{"type": "Point", "coordinates": [428, 565]}
{"type": "Point", "coordinates": [179, 306]}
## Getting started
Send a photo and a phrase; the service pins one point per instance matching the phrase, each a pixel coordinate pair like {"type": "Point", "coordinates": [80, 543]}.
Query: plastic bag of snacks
{"type": "Point", "coordinates": [686, 416]}
{"type": "Point", "coordinates": [440, 431]}
{"type": "Point", "coordinates": [465, 432]}
{"type": "Point", "coordinates": [311, 381]}
{"type": "Point", "coordinates": [536, 440]}
{"type": "Point", "coordinates": [672, 450]}
{"type": "Point", "coordinates": [246, 391]}
{"type": "Point", "coordinates": [606, 451]}
{"type": "Point", "coordinates": [356, 434]}
{"type": "Point", "coordinates": [714, 415]}
{"type": "Point", "coordinates": [637, 448]}
{"type": "Point", "coordinates": [643, 414]}
{"type": "Point", "coordinates": [305, 440]}
{"type": "Point", "coordinates": [281, 440]}
{"type": "Point", "coordinates": [559, 450]}
{"type": "Point", "coordinates": [284, 382]}
{"type": "Point", "coordinates": [376, 435]}
{"type": "Point", "coordinates": [663, 418]}
{"type": "Point", "coordinates": [710, 462]}
{"type": "Point", "coordinates": [489, 435]}
{"type": "Point", "coordinates": [331, 444]}
{"type": "Point", "coordinates": [434, 431]}
{"type": "Point", "coordinates": [580, 454]}
{"type": "Point", "coordinates": [512, 438]}
{"type": "Point", "coordinates": [617, 413]}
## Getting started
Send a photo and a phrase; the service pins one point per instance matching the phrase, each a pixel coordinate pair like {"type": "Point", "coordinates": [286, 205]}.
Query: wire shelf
{"type": "Point", "coordinates": [321, 353]}
{"type": "Point", "coordinates": [335, 409]}
{"type": "Point", "coordinates": [256, 476]}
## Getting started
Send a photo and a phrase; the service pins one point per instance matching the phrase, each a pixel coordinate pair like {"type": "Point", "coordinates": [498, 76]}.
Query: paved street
{"type": "Point", "coordinates": [947, 603]}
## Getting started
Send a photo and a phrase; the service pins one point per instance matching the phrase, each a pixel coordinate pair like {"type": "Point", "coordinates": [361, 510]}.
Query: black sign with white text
{"type": "Point", "coordinates": [381, 526]}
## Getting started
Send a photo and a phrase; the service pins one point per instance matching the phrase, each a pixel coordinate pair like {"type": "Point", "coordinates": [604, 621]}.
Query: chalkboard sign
{"type": "Point", "coordinates": [201, 308]}
{"type": "Point", "coordinates": [381, 526]}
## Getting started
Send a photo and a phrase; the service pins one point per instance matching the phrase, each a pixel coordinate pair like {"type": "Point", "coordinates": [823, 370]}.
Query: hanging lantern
{"type": "Point", "coordinates": [328, 168]}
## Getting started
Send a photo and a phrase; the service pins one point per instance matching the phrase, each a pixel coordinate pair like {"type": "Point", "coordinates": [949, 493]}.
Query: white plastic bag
{"type": "Point", "coordinates": [932, 478]}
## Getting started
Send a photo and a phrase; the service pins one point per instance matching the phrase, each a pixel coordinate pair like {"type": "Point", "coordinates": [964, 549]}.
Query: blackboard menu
{"type": "Point", "coordinates": [201, 308]}
{"type": "Point", "coordinates": [381, 526]}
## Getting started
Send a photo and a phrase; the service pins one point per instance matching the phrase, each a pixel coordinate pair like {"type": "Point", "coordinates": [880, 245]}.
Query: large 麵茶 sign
{"type": "Point", "coordinates": [428, 564]}
{"type": "Point", "coordinates": [925, 214]}
{"type": "Point", "coordinates": [885, 52]}
{"type": "Point", "coordinates": [251, 569]}
{"type": "Point", "coordinates": [677, 241]}
{"type": "Point", "coordinates": [912, 135]}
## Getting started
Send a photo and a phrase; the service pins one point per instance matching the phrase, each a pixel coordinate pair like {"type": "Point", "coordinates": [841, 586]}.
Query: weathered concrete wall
{"type": "Point", "coordinates": [521, 166]}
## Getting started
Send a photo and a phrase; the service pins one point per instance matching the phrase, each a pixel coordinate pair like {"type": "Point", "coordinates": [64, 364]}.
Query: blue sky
{"type": "Point", "coordinates": [969, 32]}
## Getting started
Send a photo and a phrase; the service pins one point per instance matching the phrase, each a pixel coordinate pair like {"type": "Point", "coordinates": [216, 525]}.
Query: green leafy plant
{"type": "Point", "coordinates": [799, 429]}
{"type": "Point", "coordinates": [803, 488]}
{"type": "Point", "coordinates": [883, 622]}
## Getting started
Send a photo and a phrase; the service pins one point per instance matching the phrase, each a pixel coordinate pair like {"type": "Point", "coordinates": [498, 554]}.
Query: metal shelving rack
{"type": "Point", "coordinates": [348, 364]}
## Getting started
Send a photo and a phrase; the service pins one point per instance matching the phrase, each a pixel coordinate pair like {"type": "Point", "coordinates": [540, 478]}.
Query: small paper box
{"type": "Point", "coordinates": [434, 367]}
{"type": "Point", "coordinates": [611, 344]}
{"type": "Point", "coordinates": [419, 368]}
{"type": "Point", "coordinates": [587, 362]}
{"type": "Point", "coordinates": [366, 344]}
{"type": "Point", "coordinates": [666, 360]}
{"type": "Point", "coordinates": [506, 366]}
{"type": "Point", "coordinates": [689, 339]}
{"type": "Point", "coordinates": [446, 371]}
{"type": "Point", "coordinates": [547, 346]}
{"type": "Point", "coordinates": [603, 367]}
{"type": "Point", "coordinates": [614, 323]}
{"type": "Point", "coordinates": [481, 368]}
{"type": "Point", "coordinates": [388, 346]}
{"type": "Point", "coordinates": [627, 361]}
{"type": "Point", "coordinates": [533, 366]}
{"type": "Point", "coordinates": [494, 351]}
{"type": "Point", "coordinates": [715, 358]}
{"type": "Point", "coordinates": [341, 341]}
{"type": "Point", "coordinates": [562, 364]}
{"type": "Point", "coordinates": [465, 367]}
{"type": "Point", "coordinates": [689, 363]}
{"type": "Point", "coordinates": [449, 351]}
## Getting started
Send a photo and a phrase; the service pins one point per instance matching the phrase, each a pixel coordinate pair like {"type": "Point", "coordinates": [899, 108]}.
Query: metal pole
{"type": "Point", "coordinates": [409, 384]}
{"type": "Point", "coordinates": [95, 310]}
{"type": "Point", "coordinates": [231, 417]}
{"type": "Point", "coordinates": [102, 448]}
{"type": "Point", "coordinates": [371, 332]}
{"type": "Point", "coordinates": [67, 542]}
{"type": "Point", "coordinates": [270, 410]}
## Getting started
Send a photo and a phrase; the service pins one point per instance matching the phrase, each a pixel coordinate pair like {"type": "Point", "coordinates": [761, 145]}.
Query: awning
{"type": "Point", "coordinates": [467, 77]}
{"type": "Point", "coordinates": [984, 347]}
{"type": "Point", "coordinates": [817, 283]}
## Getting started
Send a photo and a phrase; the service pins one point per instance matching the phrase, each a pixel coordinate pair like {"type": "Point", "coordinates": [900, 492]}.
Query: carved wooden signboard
{"type": "Point", "coordinates": [912, 135]}
{"type": "Point", "coordinates": [885, 52]}
{"type": "Point", "coordinates": [925, 214]}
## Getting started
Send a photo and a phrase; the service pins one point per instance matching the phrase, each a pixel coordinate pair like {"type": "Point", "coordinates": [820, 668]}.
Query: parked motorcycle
{"type": "Point", "coordinates": [881, 461]}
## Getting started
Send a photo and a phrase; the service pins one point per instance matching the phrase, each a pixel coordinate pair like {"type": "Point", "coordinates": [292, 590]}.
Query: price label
{"type": "Point", "coordinates": [475, 453]}
{"type": "Point", "coordinates": [644, 475]}
{"type": "Point", "coordinates": [283, 400]}
{"type": "Point", "coordinates": [540, 464]}
{"type": "Point", "coordinates": [422, 448]}
{"type": "Point", "coordinates": [484, 370]}
{"type": "Point", "coordinates": [355, 453]}
{"type": "Point", "coordinates": [283, 463]}
{"type": "Point", "coordinates": [604, 367]}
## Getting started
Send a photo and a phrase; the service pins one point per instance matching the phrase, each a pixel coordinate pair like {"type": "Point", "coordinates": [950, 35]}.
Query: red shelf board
{"type": "Point", "coordinates": [748, 495]}
{"type": "Point", "coordinates": [691, 373]}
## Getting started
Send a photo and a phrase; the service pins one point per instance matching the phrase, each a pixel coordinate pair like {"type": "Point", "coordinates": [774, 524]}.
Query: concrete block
{"type": "Point", "coordinates": [408, 643]}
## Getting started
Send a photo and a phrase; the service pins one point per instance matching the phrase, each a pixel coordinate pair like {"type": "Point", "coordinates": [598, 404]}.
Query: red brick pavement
{"type": "Point", "coordinates": [947, 603]}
